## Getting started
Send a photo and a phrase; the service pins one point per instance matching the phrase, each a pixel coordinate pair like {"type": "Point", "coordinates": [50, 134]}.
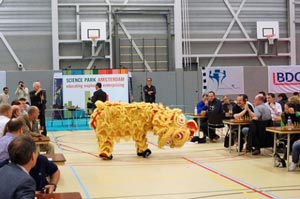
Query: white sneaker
{"type": "Point", "coordinates": [292, 166]}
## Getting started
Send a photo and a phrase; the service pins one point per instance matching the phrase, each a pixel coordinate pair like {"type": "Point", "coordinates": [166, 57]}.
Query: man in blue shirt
{"type": "Point", "coordinates": [14, 127]}
{"type": "Point", "coordinates": [202, 105]}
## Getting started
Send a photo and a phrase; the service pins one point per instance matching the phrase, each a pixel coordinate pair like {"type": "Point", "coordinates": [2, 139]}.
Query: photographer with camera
{"type": "Point", "coordinates": [22, 91]}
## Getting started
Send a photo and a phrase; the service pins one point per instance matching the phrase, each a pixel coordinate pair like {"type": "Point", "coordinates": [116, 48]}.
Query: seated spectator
{"type": "Point", "coordinates": [296, 101]}
{"type": "Point", "coordinates": [261, 113]}
{"type": "Point", "coordinates": [214, 112]}
{"type": "Point", "coordinates": [30, 127]}
{"type": "Point", "coordinates": [242, 110]}
{"type": "Point", "coordinates": [23, 105]}
{"type": "Point", "coordinates": [201, 110]}
{"type": "Point", "coordinates": [274, 107]}
{"type": "Point", "coordinates": [289, 111]}
{"type": "Point", "coordinates": [45, 169]}
{"type": "Point", "coordinates": [296, 94]}
{"type": "Point", "coordinates": [227, 106]}
{"type": "Point", "coordinates": [15, 102]}
{"type": "Point", "coordinates": [295, 155]}
{"type": "Point", "coordinates": [14, 127]}
{"type": "Point", "coordinates": [282, 99]}
{"type": "Point", "coordinates": [5, 115]}
{"type": "Point", "coordinates": [15, 181]}
{"type": "Point", "coordinates": [202, 105]}
{"type": "Point", "coordinates": [263, 94]}
{"type": "Point", "coordinates": [16, 111]}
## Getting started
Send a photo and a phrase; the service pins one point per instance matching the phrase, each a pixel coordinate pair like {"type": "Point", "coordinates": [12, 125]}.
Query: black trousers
{"type": "Point", "coordinates": [42, 119]}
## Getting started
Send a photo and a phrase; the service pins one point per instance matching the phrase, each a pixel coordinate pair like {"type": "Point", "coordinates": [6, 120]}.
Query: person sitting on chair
{"type": "Point", "coordinates": [45, 169]}
{"type": "Point", "coordinates": [289, 112]}
{"type": "Point", "coordinates": [263, 114]}
{"type": "Point", "coordinates": [201, 110]}
{"type": "Point", "coordinates": [241, 110]}
{"type": "Point", "coordinates": [30, 127]}
{"type": "Point", "coordinates": [214, 112]}
{"type": "Point", "coordinates": [15, 181]}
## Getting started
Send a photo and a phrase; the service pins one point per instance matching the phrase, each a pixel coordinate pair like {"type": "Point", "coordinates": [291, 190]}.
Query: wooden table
{"type": "Point", "coordinates": [239, 123]}
{"type": "Point", "coordinates": [198, 118]}
{"type": "Point", "coordinates": [283, 131]}
{"type": "Point", "coordinates": [42, 140]}
{"type": "Point", "coordinates": [57, 158]}
{"type": "Point", "coordinates": [70, 195]}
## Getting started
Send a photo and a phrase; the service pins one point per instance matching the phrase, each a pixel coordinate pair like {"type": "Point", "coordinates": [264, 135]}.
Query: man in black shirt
{"type": "Point", "coordinates": [99, 94]}
{"type": "Point", "coordinates": [45, 169]}
{"type": "Point", "coordinates": [215, 116]}
{"type": "Point", "coordinates": [241, 110]}
{"type": "Point", "coordinates": [149, 91]}
{"type": "Point", "coordinates": [38, 99]}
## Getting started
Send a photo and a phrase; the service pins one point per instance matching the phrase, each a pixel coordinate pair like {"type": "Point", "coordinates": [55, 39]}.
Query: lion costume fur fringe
{"type": "Point", "coordinates": [115, 120]}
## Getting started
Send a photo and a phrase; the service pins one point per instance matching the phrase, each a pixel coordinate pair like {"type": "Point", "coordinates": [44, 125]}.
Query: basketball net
{"type": "Point", "coordinates": [94, 41]}
{"type": "Point", "coordinates": [270, 39]}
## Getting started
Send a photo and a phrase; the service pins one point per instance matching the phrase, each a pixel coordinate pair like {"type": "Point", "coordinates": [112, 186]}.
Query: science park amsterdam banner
{"type": "Point", "coordinates": [284, 79]}
{"type": "Point", "coordinates": [223, 80]}
{"type": "Point", "coordinates": [79, 85]}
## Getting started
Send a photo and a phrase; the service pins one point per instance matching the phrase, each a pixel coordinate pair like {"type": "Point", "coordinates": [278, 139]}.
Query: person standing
{"type": "Point", "coordinates": [4, 97]}
{"type": "Point", "coordinates": [38, 99]}
{"type": "Point", "coordinates": [22, 91]}
{"type": "Point", "coordinates": [99, 94]}
{"type": "Point", "coordinates": [15, 181]}
{"type": "Point", "coordinates": [149, 91]}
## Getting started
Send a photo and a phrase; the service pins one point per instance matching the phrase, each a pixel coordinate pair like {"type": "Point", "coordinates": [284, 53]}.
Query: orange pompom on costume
{"type": "Point", "coordinates": [115, 120]}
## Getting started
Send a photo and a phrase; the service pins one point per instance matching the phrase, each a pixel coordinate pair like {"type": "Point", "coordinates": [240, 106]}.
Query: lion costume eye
{"type": "Point", "coordinates": [181, 120]}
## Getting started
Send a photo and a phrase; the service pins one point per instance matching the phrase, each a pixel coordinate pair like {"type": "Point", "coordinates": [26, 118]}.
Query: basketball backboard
{"type": "Point", "coordinates": [93, 31]}
{"type": "Point", "coordinates": [265, 29]}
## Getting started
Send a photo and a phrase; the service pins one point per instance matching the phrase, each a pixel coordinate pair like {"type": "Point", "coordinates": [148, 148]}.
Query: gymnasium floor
{"type": "Point", "coordinates": [194, 171]}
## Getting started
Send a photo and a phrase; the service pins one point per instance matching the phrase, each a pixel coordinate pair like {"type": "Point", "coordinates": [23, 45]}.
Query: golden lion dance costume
{"type": "Point", "coordinates": [115, 120]}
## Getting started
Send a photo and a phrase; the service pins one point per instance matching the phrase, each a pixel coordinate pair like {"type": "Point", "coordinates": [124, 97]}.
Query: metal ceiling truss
{"type": "Point", "coordinates": [12, 52]}
{"type": "Point", "coordinates": [118, 22]}
{"type": "Point", "coordinates": [216, 54]}
{"type": "Point", "coordinates": [55, 32]}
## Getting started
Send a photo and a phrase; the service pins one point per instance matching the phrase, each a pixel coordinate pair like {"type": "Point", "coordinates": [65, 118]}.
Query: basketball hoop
{"type": "Point", "coordinates": [270, 39]}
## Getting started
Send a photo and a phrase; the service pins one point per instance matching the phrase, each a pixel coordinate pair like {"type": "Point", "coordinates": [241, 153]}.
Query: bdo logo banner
{"type": "Point", "coordinates": [284, 79]}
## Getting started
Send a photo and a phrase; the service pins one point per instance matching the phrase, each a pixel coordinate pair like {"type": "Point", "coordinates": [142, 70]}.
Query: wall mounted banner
{"type": "Point", "coordinates": [79, 85]}
{"type": "Point", "coordinates": [223, 80]}
{"type": "Point", "coordinates": [284, 79]}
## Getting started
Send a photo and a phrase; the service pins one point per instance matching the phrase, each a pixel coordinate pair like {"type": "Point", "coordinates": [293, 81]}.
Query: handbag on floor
{"type": "Point", "coordinates": [226, 140]}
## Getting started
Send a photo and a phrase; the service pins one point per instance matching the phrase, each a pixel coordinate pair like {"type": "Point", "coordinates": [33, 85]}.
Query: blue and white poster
{"type": "Point", "coordinates": [224, 80]}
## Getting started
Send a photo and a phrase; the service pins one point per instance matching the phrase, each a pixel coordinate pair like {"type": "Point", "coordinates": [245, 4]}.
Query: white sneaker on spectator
{"type": "Point", "coordinates": [292, 166]}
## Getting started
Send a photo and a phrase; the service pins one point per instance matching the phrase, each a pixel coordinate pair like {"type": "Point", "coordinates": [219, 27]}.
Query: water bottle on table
{"type": "Point", "coordinates": [289, 123]}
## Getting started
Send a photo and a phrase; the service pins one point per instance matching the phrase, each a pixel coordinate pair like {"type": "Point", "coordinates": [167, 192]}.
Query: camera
{"type": "Point", "coordinates": [22, 85]}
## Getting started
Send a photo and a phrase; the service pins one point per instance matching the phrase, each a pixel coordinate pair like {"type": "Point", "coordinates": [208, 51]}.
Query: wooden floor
{"type": "Point", "coordinates": [191, 172]}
